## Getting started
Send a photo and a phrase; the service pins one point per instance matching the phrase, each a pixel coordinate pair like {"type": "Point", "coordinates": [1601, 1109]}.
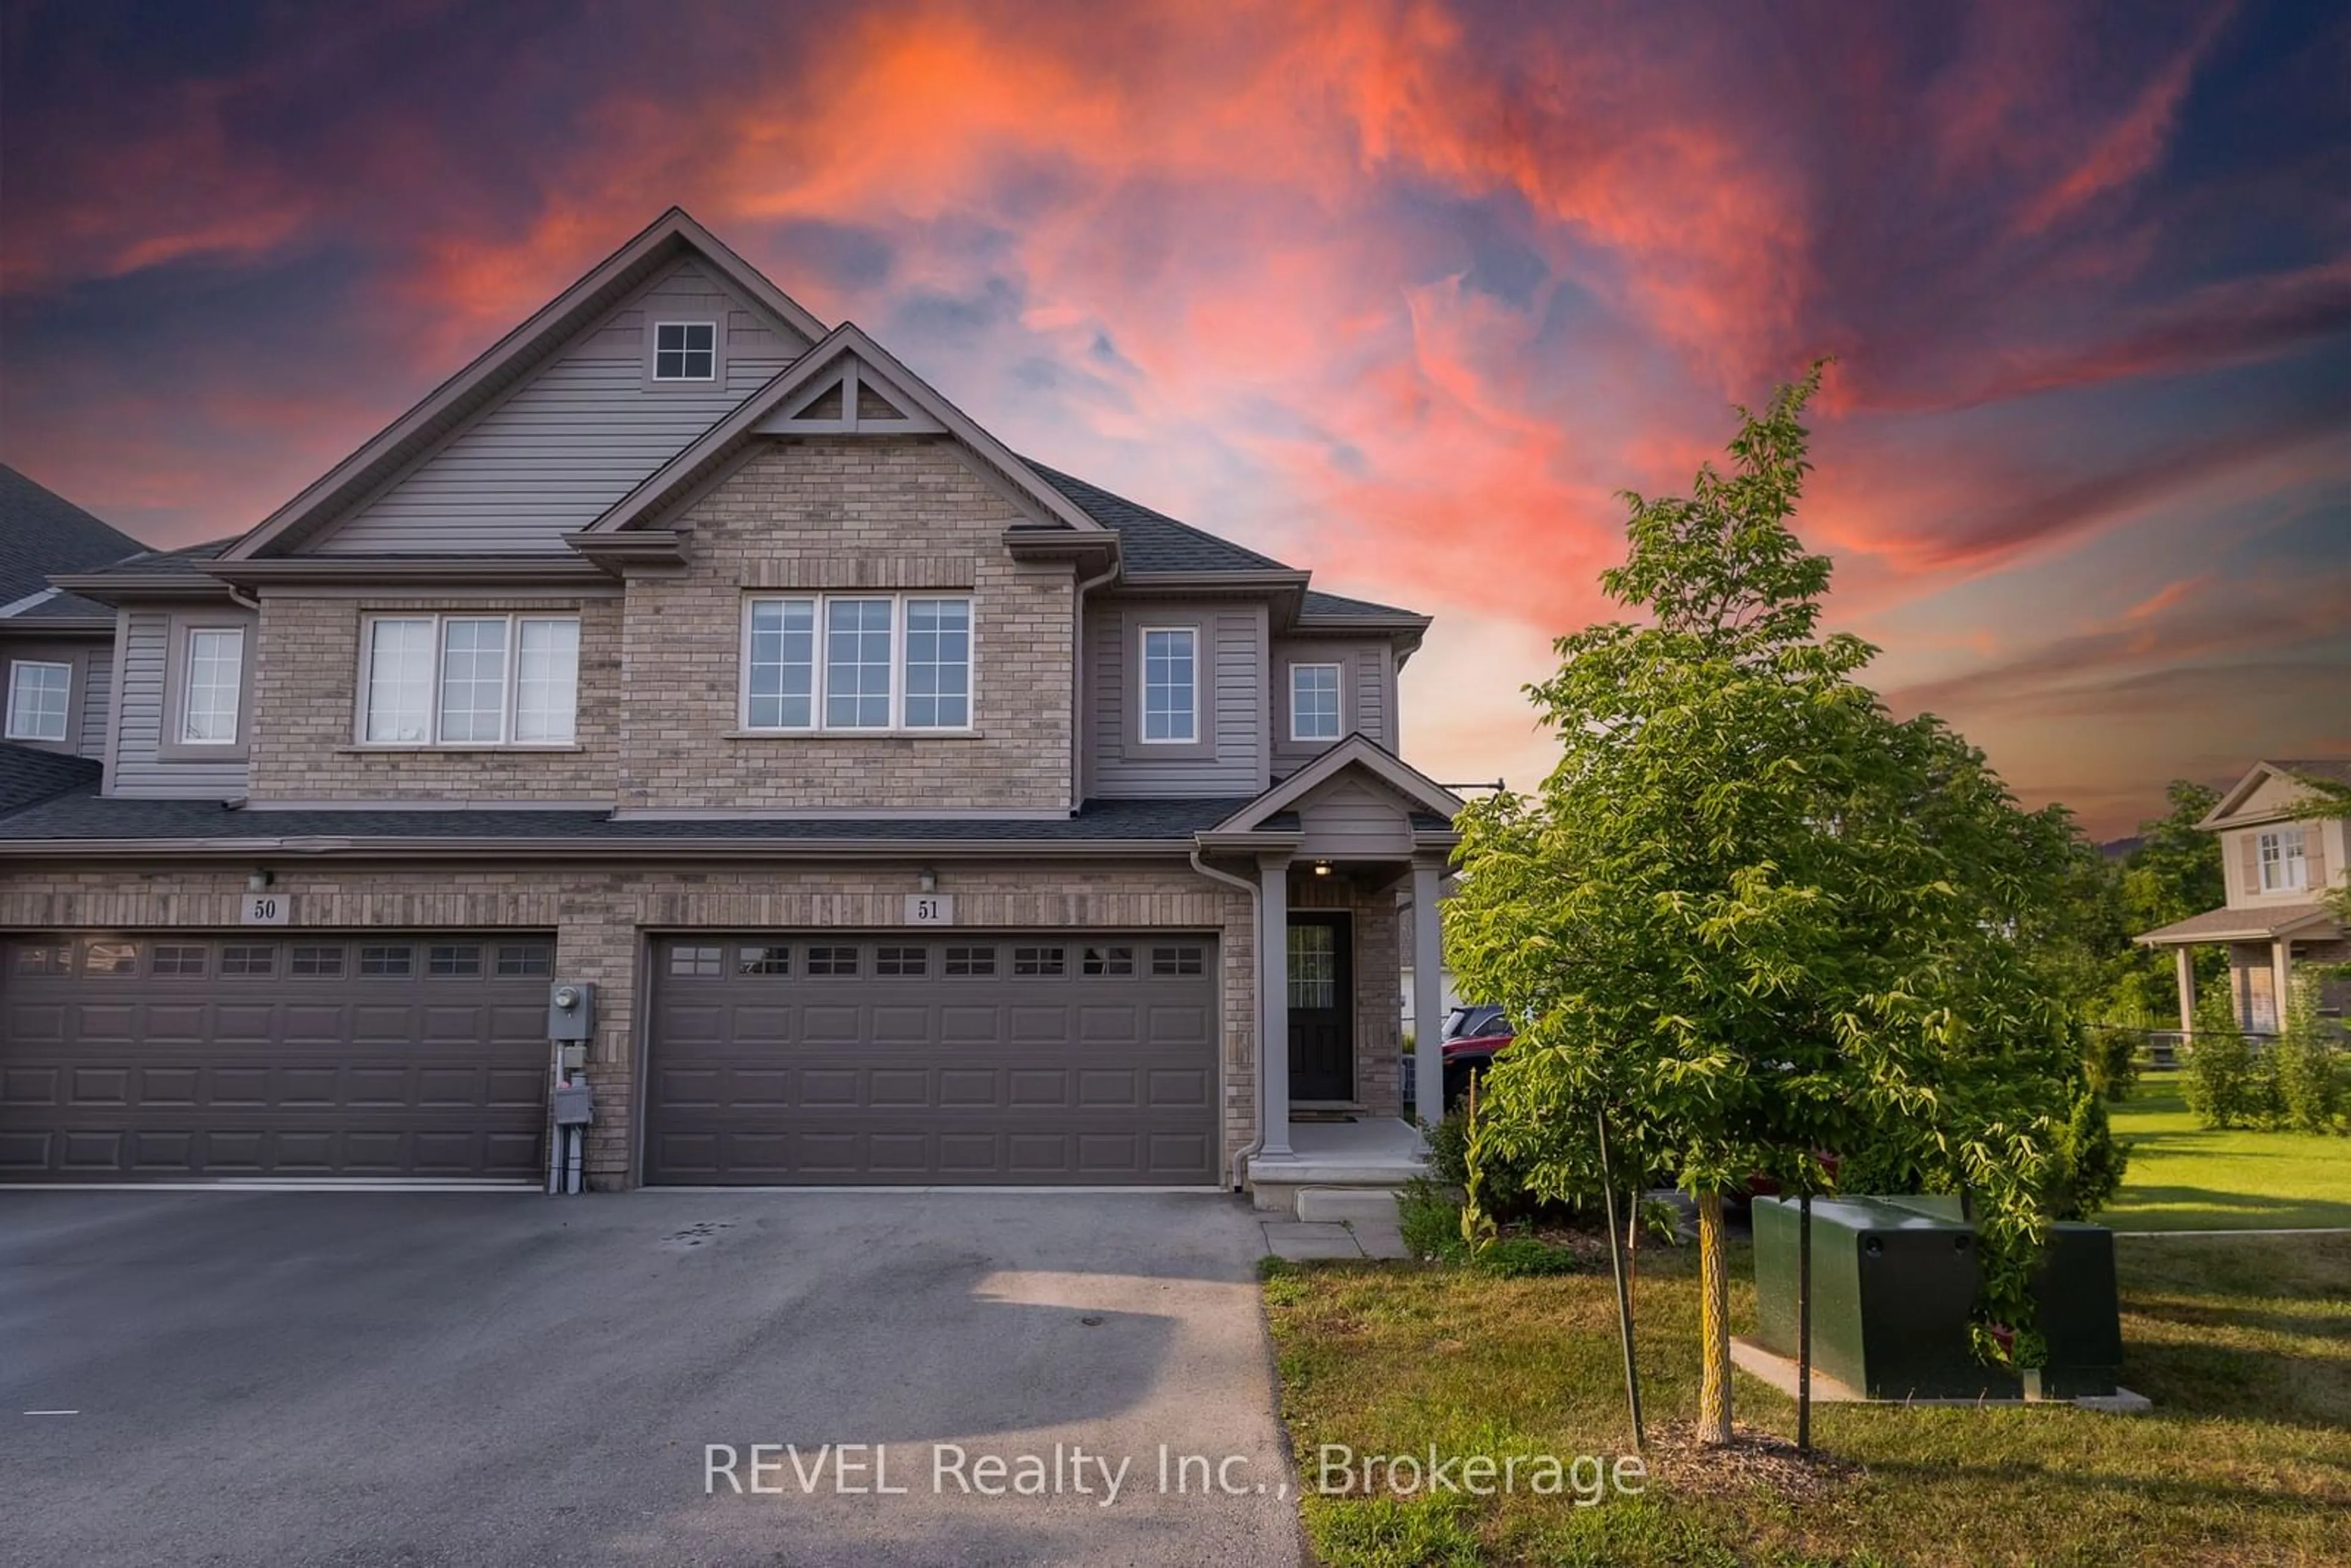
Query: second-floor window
{"type": "Point", "coordinates": [212, 685]}
{"type": "Point", "coordinates": [1313, 702]}
{"type": "Point", "coordinates": [2283, 870]}
{"type": "Point", "coordinates": [1171, 686]}
{"type": "Point", "coordinates": [857, 662]}
{"type": "Point", "coordinates": [37, 699]}
{"type": "Point", "coordinates": [470, 680]}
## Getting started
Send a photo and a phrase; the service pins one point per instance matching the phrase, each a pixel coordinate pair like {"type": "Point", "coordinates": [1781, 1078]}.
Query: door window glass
{"type": "Point", "coordinates": [1313, 965]}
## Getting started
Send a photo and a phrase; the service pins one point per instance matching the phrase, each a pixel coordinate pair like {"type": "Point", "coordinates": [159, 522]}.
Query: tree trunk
{"type": "Point", "coordinates": [1713, 1325]}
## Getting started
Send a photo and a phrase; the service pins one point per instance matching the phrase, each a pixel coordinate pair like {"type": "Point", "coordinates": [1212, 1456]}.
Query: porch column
{"type": "Point", "coordinates": [2183, 958]}
{"type": "Point", "coordinates": [2281, 977]}
{"type": "Point", "coordinates": [1273, 1004]}
{"type": "Point", "coordinates": [1427, 993]}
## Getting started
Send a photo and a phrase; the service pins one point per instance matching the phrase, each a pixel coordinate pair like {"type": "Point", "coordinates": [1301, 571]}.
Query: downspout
{"type": "Point", "coordinates": [1078, 739]}
{"type": "Point", "coordinates": [1257, 923]}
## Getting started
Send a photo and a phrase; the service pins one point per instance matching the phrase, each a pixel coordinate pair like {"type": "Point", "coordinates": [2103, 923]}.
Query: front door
{"type": "Point", "coordinates": [1322, 1008]}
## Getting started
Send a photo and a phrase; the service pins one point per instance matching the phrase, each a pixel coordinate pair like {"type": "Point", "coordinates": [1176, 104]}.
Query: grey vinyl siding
{"type": "Point", "coordinates": [96, 703]}
{"type": "Point", "coordinates": [138, 769]}
{"type": "Point", "coordinates": [1367, 696]}
{"type": "Point", "coordinates": [575, 437]}
{"type": "Point", "coordinates": [1354, 819]}
{"type": "Point", "coordinates": [1235, 659]}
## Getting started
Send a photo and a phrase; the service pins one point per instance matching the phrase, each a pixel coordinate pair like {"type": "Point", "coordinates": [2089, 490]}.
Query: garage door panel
{"type": "Point", "coordinates": [934, 1076]}
{"type": "Point", "coordinates": [760, 1086]}
{"type": "Point", "coordinates": [186, 1065]}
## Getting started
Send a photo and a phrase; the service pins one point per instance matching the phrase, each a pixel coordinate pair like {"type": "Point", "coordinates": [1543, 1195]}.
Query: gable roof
{"type": "Point", "coordinates": [1358, 750]}
{"type": "Point", "coordinates": [42, 534]}
{"type": "Point", "coordinates": [29, 774]}
{"type": "Point", "coordinates": [679, 476]}
{"type": "Point", "coordinates": [508, 362]}
{"type": "Point", "coordinates": [1151, 541]}
{"type": "Point", "coordinates": [2334, 770]}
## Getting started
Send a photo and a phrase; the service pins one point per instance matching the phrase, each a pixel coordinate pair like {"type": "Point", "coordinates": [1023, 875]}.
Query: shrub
{"type": "Point", "coordinates": [1524, 1257]}
{"type": "Point", "coordinates": [2220, 1080]}
{"type": "Point", "coordinates": [1503, 1190]}
{"type": "Point", "coordinates": [2309, 1089]}
{"type": "Point", "coordinates": [2090, 1162]}
{"type": "Point", "coordinates": [1429, 1218]}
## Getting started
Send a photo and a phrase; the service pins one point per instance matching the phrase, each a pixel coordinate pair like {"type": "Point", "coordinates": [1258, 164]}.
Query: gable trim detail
{"type": "Point", "coordinates": [1358, 750]}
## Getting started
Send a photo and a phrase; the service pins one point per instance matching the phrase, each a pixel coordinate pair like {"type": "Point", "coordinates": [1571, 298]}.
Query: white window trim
{"type": "Point", "coordinates": [653, 371]}
{"type": "Point", "coordinates": [508, 696]}
{"type": "Point", "coordinates": [65, 720]}
{"type": "Point", "coordinates": [2291, 855]}
{"type": "Point", "coordinates": [1338, 690]}
{"type": "Point", "coordinates": [188, 636]}
{"type": "Point", "coordinates": [822, 664]}
{"type": "Point", "coordinates": [1143, 734]}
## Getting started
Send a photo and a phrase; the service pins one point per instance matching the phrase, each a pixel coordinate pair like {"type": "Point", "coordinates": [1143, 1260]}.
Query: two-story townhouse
{"type": "Point", "coordinates": [2278, 866]}
{"type": "Point", "coordinates": [57, 649]}
{"type": "Point", "coordinates": [919, 813]}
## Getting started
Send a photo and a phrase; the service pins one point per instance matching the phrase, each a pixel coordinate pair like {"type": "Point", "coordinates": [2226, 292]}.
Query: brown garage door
{"type": "Point", "coordinates": [787, 1059]}
{"type": "Point", "coordinates": [152, 1057]}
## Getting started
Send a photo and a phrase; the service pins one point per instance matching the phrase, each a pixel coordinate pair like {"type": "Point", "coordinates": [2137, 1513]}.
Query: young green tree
{"type": "Point", "coordinates": [1750, 917]}
{"type": "Point", "coordinates": [2172, 872]}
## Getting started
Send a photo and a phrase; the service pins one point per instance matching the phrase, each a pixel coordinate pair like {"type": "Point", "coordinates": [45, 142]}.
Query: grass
{"type": "Point", "coordinates": [2244, 1344]}
{"type": "Point", "coordinates": [2183, 1177]}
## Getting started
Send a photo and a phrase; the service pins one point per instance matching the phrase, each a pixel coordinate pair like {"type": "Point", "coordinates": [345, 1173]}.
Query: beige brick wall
{"type": "Point", "coordinates": [898, 513]}
{"type": "Point", "coordinates": [1378, 967]}
{"type": "Point", "coordinates": [306, 712]}
{"type": "Point", "coordinates": [602, 917]}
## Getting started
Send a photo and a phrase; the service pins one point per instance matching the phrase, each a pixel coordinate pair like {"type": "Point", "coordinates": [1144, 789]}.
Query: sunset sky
{"type": "Point", "coordinates": [1404, 293]}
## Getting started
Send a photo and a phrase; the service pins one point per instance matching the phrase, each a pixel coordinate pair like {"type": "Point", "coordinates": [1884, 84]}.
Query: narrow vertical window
{"type": "Point", "coordinates": [938, 663]}
{"type": "Point", "coordinates": [547, 681]}
{"type": "Point", "coordinates": [1171, 707]}
{"type": "Point", "coordinates": [1314, 701]}
{"type": "Point", "coordinates": [685, 351]}
{"type": "Point", "coordinates": [782, 664]}
{"type": "Point", "coordinates": [399, 682]}
{"type": "Point", "coordinates": [214, 684]}
{"type": "Point", "coordinates": [473, 681]}
{"type": "Point", "coordinates": [857, 663]}
{"type": "Point", "coordinates": [37, 693]}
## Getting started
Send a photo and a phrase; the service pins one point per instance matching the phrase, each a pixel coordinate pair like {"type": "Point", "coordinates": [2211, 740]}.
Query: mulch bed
{"type": "Point", "coordinates": [1754, 1458]}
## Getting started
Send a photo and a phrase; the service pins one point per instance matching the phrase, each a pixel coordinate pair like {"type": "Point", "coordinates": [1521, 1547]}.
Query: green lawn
{"type": "Point", "coordinates": [2243, 1344]}
{"type": "Point", "coordinates": [2182, 1178]}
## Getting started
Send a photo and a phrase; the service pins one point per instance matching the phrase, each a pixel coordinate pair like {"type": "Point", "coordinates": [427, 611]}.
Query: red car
{"type": "Point", "coordinates": [1473, 1036]}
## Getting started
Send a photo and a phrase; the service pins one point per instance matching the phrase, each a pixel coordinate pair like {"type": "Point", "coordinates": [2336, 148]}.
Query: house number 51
{"type": "Point", "coordinates": [930, 909]}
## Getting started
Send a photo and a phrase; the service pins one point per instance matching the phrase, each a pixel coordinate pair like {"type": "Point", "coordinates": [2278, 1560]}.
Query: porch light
{"type": "Point", "coordinates": [1321, 868]}
{"type": "Point", "coordinates": [927, 880]}
{"type": "Point", "coordinates": [259, 881]}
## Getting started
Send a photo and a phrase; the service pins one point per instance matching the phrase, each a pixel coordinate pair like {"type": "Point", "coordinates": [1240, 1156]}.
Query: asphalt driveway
{"type": "Point", "coordinates": [424, 1378]}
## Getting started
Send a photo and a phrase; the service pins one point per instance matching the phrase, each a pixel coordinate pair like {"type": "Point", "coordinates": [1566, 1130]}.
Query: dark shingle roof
{"type": "Point", "coordinates": [29, 774]}
{"type": "Point", "coordinates": [180, 562]}
{"type": "Point", "coordinates": [88, 817]}
{"type": "Point", "coordinates": [1319, 604]}
{"type": "Point", "coordinates": [1153, 541]}
{"type": "Point", "coordinates": [42, 532]}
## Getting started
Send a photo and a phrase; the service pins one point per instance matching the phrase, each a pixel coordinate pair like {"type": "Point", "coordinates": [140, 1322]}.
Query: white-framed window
{"type": "Point", "coordinates": [686, 351]}
{"type": "Point", "coordinates": [212, 685]}
{"type": "Point", "coordinates": [2283, 870]}
{"type": "Point", "coordinates": [470, 680]}
{"type": "Point", "coordinates": [851, 662]}
{"type": "Point", "coordinates": [1314, 701]}
{"type": "Point", "coordinates": [39, 699]}
{"type": "Point", "coordinates": [1171, 686]}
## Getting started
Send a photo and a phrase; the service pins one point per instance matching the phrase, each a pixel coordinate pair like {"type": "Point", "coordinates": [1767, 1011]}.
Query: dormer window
{"type": "Point", "coordinates": [686, 351]}
{"type": "Point", "coordinates": [2284, 869]}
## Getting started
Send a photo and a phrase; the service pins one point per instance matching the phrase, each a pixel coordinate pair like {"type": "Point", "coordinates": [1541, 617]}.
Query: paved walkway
{"type": "Point", "coordinates": [1300, 1241]}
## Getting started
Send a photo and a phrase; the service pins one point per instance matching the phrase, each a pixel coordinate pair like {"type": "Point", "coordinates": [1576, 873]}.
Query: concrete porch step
{"type": "Point", "coordinates": [1348, 1205]}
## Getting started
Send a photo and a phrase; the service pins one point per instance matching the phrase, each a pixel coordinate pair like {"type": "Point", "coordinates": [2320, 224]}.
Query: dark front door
{"type": "Point", "coordinates": [1322, 1008]}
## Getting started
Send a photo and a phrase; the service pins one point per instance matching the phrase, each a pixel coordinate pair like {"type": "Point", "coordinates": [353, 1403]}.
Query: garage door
{"type": "Point", "coordinates": [970, 1058]}
{"type": "Point", "coordinates": [154, 1057]}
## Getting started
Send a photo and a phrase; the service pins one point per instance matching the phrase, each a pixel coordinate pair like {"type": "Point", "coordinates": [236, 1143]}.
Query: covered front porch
{"type": "Point", "coordinates": [1346, 859]}
{"type": "Point", "coordinates": [2266, 948]}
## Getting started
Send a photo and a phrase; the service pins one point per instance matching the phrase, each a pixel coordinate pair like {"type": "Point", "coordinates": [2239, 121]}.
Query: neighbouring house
{"type": "Point", "coordinates": [2278, 867]}
{"type": "Point", "coordinates": [919, 813]}
{"type": "Point", "coordinates": [58, 647]}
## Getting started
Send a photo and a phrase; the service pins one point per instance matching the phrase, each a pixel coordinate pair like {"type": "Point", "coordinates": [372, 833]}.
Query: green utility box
{"type": "Point", "coordinates": [1892, 1282]}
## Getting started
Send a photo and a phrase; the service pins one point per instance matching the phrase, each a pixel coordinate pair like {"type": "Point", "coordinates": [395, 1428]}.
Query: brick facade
{"type": "Point", "coordinates": [848, 514]}
{"type": "Point", "coordinates": [601, 918]}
